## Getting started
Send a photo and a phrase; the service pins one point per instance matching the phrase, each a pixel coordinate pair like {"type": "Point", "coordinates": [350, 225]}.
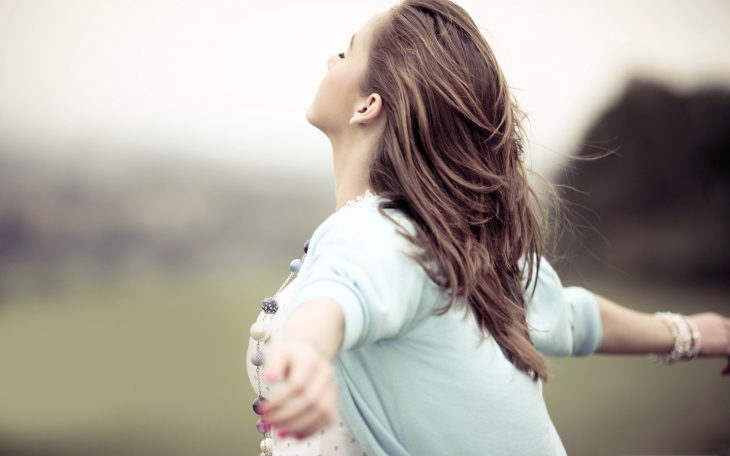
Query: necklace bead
{"type": "Point", "coordinates": [259, 331]}
{"type": "Point", "coordinates": [269, 305]}
{"type": "Point", "coordinates": [295, 265]}
{"type": "Point", "coordinates": [257, 359]}
{"type": "Point", "coordinates": [257, 404]}
{"type": "Point", "coordinates": [262, 427]}
{"type": "Point", "coordinates": [267, 446]}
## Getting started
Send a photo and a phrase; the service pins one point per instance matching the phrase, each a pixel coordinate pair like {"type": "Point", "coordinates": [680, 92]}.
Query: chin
{"type": "Point", "coordinates": [315, 120]}
{"type": "Point", "coordinates": [310, 117]}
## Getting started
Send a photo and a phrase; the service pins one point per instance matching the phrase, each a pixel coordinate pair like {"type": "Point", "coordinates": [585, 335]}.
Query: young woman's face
{"type": "Point", "coordinates": [338, 97]}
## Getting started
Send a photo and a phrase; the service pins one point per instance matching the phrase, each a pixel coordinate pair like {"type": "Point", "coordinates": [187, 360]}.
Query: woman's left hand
{"type": "Point", "coordinates": [305, 399]}
{"type": "Point", "coordinates": [715, 336]}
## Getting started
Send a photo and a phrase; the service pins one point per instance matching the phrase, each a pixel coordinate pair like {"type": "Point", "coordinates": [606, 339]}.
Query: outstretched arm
{"type": "Point", "coordinates": [357, 286]}
{"type": "Point", "coordinates": [627, 331]}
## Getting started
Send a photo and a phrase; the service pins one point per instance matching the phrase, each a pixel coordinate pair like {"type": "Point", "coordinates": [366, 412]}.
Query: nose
{"type": "Point", "coordinates": [331, 61]}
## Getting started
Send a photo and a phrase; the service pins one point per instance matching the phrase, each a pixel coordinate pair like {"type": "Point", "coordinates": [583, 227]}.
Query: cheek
{"type": "Point", "coordinates": [335, 98]}
{"type": "Point", "coordinates": [337, 87]}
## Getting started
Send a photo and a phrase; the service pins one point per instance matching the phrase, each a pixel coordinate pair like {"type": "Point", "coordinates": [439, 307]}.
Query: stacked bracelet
{"type": "Point", "coordinates": [687, 340]}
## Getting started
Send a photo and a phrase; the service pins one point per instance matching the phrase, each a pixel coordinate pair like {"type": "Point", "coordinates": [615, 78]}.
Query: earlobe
{"type": "Point", "coordinates": [368, 110]}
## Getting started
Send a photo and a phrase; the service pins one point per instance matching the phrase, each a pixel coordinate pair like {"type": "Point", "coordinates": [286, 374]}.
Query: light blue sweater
{"type": "Point", "coordinates": [413, 383]}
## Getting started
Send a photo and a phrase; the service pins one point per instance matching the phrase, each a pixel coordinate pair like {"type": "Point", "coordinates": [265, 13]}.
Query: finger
{"type": "Point", "coordinates": [275, 363]}
{"type": "Point", "coordinates": [294, 384]}
{"type": "Point", "coordinates": [286, 411]}
{"type": "Point", "coordinates": [320, 423]}
{"type": "Point", "coordinates": [313, 418]}
{"type": "Point", "coordinates": [302, 404]}
{"type": "Point", "coordinates": [297, 423]}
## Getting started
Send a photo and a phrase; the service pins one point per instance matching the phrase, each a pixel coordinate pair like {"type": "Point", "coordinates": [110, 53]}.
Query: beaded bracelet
{"type": "Point", "coordinates": [687, 341]}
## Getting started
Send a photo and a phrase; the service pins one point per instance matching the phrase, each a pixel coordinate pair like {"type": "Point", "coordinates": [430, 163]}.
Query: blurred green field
{"type": "Point", "coordinates": [145, 364]}
{"type": "Point", "coordinates": [153, 363]}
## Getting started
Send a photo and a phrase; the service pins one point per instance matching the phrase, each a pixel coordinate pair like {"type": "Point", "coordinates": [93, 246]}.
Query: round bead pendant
{"type": "Point", "coordinates": [259, 331]}
{"type": "Point", "coordinates": [260, 401]}
{"type": "Point", "coordinates": [262, 427]}
{"type": "Point", "coordinates": [257, 359]}
{"type": "Point", "coordinates": [295, 265]}
{"type": "Point", "coordinates": [267, 446]}
{"type": "Point", "coordinates": [269, 305]}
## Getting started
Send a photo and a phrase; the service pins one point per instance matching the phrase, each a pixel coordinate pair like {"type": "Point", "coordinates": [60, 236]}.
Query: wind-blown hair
{"type": "Point", "coordinates": [451, 158]}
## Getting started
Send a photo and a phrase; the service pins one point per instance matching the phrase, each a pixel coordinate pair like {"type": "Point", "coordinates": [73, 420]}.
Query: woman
{"type": "Point", "coordinates": [422, 308]}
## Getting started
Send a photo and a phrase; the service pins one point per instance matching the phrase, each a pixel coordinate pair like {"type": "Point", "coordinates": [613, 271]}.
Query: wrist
{"type": "Point", "coordinates": [319, 323]}
{"type": "Point", "coordinates": [686, 338]}
{"type": "Point", "coordinates": [294, 338]}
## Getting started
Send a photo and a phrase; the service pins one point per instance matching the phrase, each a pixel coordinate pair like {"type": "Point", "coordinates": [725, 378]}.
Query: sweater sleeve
{"type": "Point", "coordinates": [357, 258]}
{"type": "Point", "coordinates": [563, 321]}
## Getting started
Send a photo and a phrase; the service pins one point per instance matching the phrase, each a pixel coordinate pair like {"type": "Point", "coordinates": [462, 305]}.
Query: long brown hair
{"type": "Point", "coordinates": [451, 158]}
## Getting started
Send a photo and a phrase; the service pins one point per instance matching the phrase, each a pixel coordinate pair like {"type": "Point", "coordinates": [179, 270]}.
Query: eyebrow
{"type": "Point", "coordinates": [352, 40]}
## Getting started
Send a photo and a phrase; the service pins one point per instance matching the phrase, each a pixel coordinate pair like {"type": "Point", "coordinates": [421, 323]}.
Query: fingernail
{"type": "Point", "coordinates": [282, 433]}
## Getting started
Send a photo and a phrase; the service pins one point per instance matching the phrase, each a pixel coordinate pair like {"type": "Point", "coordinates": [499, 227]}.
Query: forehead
{"type": "Point", "coordinates": [363, 36]}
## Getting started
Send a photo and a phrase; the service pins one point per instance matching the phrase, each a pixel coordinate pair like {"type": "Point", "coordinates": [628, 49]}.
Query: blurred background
{"type": "Point", "coordinates": [157, 175]}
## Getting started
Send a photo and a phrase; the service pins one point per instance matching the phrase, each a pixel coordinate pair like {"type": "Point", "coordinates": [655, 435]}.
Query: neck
{"type": "Point", "coordinates": [351, 159]}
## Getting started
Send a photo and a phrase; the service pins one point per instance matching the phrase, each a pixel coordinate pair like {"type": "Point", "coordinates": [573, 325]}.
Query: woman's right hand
{"type": "Point", "coordinates": [715, 336]}
{"type": "Point", "coordinates": [305, 394]}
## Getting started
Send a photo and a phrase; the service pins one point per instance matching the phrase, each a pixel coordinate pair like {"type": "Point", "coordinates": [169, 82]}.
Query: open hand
{"type": "Point", "coordinates": [715, 336]}
{"type": "Point", "coordinates": [305, 398]}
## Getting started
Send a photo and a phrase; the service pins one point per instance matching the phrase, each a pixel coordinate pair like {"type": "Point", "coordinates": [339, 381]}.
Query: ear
{"type": "Point", "coordinates": [367, 110]}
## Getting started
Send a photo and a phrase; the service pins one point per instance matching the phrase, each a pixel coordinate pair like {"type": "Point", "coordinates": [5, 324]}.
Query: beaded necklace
{"type": "Point", "coordinates": [261, 331]}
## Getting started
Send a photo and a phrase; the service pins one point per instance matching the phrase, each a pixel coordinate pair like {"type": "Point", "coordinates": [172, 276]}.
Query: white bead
{"type": "Point", "coordinates": [257, 359]}
{"type": "Point", "coordinates": [267, 446]}
{"type": "Point", "coordinates": [259, 331]}
{"type": "Point", "coordinates": [295, 265]}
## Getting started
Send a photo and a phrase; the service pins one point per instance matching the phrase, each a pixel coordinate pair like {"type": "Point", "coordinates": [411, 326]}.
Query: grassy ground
{"type": "Point", "coordinates": [154, 363]}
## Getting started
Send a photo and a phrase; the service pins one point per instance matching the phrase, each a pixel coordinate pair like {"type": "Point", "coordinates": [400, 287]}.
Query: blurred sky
{"type": "Point", "coordinates": [231, 80]}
